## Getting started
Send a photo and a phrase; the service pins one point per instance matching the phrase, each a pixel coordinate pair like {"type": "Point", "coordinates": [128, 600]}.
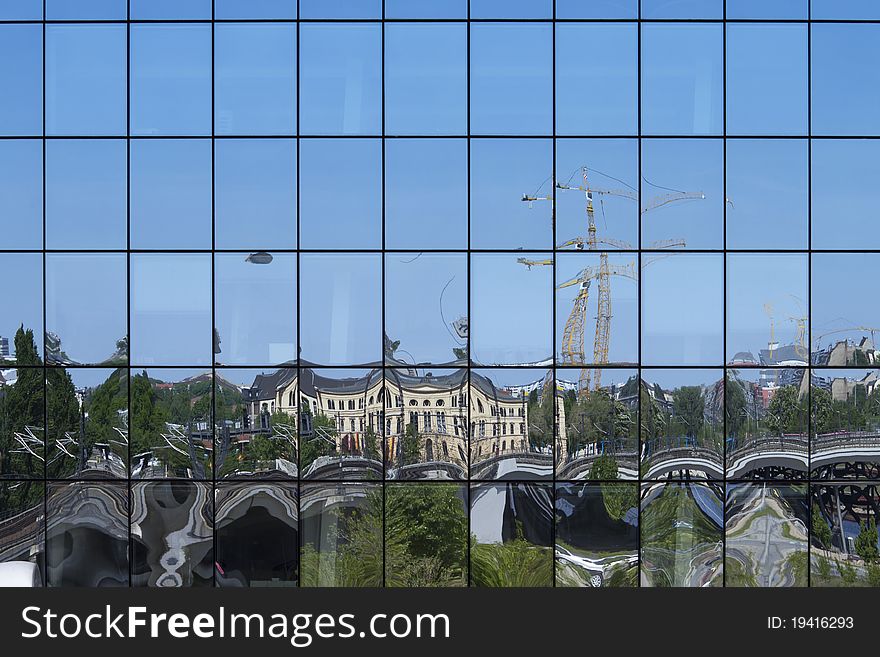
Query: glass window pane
{"type": "Point", "coordinates": [21, 74]}
{"type": "Point", "coordinates": [85, 309]}
{"type": "Point", "coordinates": [22, 432]}
{"type": "Point", "coordinates": [341, 193]}
{"type": "Point", "coordinates": [341, 411]}
{"type": "Point", "coordinates": [22, 310]}
{"type": "Point", "coordinates": [164, 508]}
{"type": "Point", "coordinates": [426, 421]}
{"type": "Point", "coordinates": [581, 295]}
{"type": "Point", "coordinates": [255, 428]}
{"type": "Point", "coordinates": [255, 8]}
{"type": "Point", "coordinates": [255, 309]}
{"type": "Point", "coordinates": [21, 503]}
{"type": "Point", "coordinates": [255, 193]}
{"type": "Point", "coordinates": [767, 194]}
{"type": "Point", "coordinates": [340, 8]}
{"type": "Point", "coordinates": [511, 79]}
{"type": "Point", "coordinates": [597, 428]}
{"type": "Point", "coordinates": [424, 334]}
{"type": "Point", "coordinates": [426, 9]}
{"type": "Point", "coordinates": [340, 79]}
{"type": "Point", "coordinates": [342, 296]}
{"type": "Point", "coordinates": [772, 324]}
{"type": "Point", "coordinates": [87, 534]}
{"type": "Point", "coordinates": [845, 327]}
{"type": "Point", "coordinates": [597, 9]}
{"type": "Point", "coordinates": [86, 10]}
{"type": "Point", "coordinates": [609, 169]}
{"type": "Point", "coordinates": [171, 79]}
{"type": "Point", "coordinates": [598, 525]}
{"type": "Point", "coordinates": [503, 172]}
{"type": "Point", "coordinates": [844, 193]}
{"type": "Point", "coordinates": [255, 79]}
{"type": "Point", "coordinates": [682, 8]}
{"type": "Point", "coordinates": [89, 440]}
{"type": "Point", "coordinates": [426, 79]}
{"type": "Point", "coordinates": [682, 79]}
{"type": "Point", "coordinates": [767, 62]}
{"type": "Point", "coordinates": [511, 8]}
{"type": "Point", "coordinates": [257, 535]}
{"type": "Point", "coordinates": [691, 517]}
{"type": "Point", "coordinates": [852, 506]}
{"type": "Point", "coordinates": [430, 524]}
{"type": "Point", "coordinates": [21, 193]}
{"type": "Point", "coordinates": [511, 429]}
{"type": "Point", "coordinates": [845, 9]}
{"type": "Point", "coordinates": [426, 194]}
{"type": "Point", "coordinates": [21, 10]}
{"type": "Point", "coordinates": [674, 287]}
{"type": "Point", "coordinates": [172, 432]}
{"type": "Point", "coordinates": [170, 193]}
{"type": "Point", "coordinates": [767, 414]}
{"type": "Point", "coordinates": [846, 84]}
{"type": "Point", "coordinates": [332, 510]}
{"type": "Point", "coordinates": [86, 197]}
{"type": "Point", "coordinates": [592, 57]}
{"type": "Point", "coordinates": [86, 79]}
{"type": "Point", "coordinates": [682, 193]}
{"type": "Point", "coordinates": [171, 309]}
{"type": "Point", "coordinates": [171, 9]}
{"type": "Point", "coordinates": [503, 335]}
{"type": "Point", "coordinates": [772, 9]}
{"type": "Point", "coordinates": [509, 519]}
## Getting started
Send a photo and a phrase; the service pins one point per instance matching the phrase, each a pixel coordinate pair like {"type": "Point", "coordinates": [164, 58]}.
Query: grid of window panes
{"type": "Point", "coordinates": [439, 293]}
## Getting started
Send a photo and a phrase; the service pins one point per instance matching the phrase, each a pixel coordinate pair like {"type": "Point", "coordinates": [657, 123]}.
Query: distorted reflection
{"type": "Point", "coordinates": [342, 535]}
{"type": "Point", "coordinates": [511, 527]}
{"type": "Point", "coordinates": [171, 533]}
{"type": "Point", "coordinates": [257, 535]}
{"type": "Point", "coordinates": [766, 540]}
{"type": "Point", "coordinates": [681, 534]}
{"type": "Point", "coordinates": [682, 419]}
{"type": "Point", "coordinates": [87, 534]}
{"type": "Point", "coordinates": [844, 543]}
{"type": "Point", "coordinates": [597, 534]}
{"type": "Point", "coordinates": [22, 421]}
{"type": "Point", "coordinates": [597, 424]}
{"type": "Point", "coordinates": [21, 531]}
{"type": "Point", "coordinates": [512, 423]}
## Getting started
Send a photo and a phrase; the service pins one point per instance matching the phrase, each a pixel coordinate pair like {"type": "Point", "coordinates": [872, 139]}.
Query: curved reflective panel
{"type": "Point", "coordinates": [512, 415]}
{"type": "Point", "coordinates": [88, 423]}
{"type": "Point", "coordinates": [597, 427]}
{"type": "Point", "coordinates": [766, 421]}
{"type": "Point", "coordinates": [172, 433]}
{"type": "Point", "coordinates": [342, 531]}
{"type": "Point", "coordinates": [426, 535]}
{"type": "Point", "coordinates": [22, 525]}
{"type": "Point", "coordinates": [766, 535]}
{"type": "Point", "coordinates": [426, 421]}
{"type": "Point", "coordinates": [597, 534]}
{"type": "Point", "coordinates": [681, 534]}
{"type": "Point", "coordinates": [172, 534]}
{"type": "Point", "coordinates": [682, 424]}
{"type": "Point", "coordinates": [511, 528]}
{"type": "Point", "coordinates": [255, 436]}
{"type": "Point", "coordinates": [844, 542]}
{"type": "Point", "coordinates": [87, 534]}
{"type": "Point", "coordinates": [340, 423]}
{"type": "Point", "coordinates": [845, 441]}
{"type": "Point", "coordinates": [257, 535]}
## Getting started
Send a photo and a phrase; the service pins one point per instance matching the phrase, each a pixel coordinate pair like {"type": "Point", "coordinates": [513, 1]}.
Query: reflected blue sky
{"type": "Point", "coordinates": [838, 300]}
{"type": "Point", "coordinates": [21, 194]}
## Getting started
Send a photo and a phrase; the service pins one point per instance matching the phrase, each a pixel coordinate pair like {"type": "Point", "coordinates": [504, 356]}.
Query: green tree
{"type": "Point", "coordinates": [734, 404]}
{"type": "Point", "coordinates": [688, 403]}
{"type": "Point", "coordinates": [866, 541]}
{"type": "Point", "coordinates": [411, 444]}
{"type": "Point", "coordinates": [64, 419]}
{"type": "Point", "coordinates": [147, 415]}
{"type": "Point", "coordinates": [320, 441]}
{"type": "Point", "coordinates": [22, 406]}
{"type": "Point", "coordinates": [785, 413]}
{"type": "Point", "coordinates": [822, 409]}
{"type": "Point", "coordinates": [821, 530]}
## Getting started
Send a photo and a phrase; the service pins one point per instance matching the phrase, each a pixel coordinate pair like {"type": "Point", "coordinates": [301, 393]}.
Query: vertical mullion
{"type": "Point", "coordinates": [213, 418]}
{"type": "Point", "coordinates": [724, 300]}
{"type": "Point", "coordinates": [43, 338]}
{"type": "Point", "coordinates": [297, 412]}
{"type": "Point", "coordinates": [639, 291]}
{"type": "Point", "coordinates": [554, 430]}
{"type": "Point", "coordinates": [129, 495]}
{"type": "Point", "coordinates": [469, 256]}
{"type": "Point", "coordinates": [382, 290]}
{"type": "Point", "coordinates": [808, 371]}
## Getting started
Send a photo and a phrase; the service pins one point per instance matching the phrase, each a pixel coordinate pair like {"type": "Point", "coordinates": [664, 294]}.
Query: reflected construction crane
{"type": "Point", "coordinates": [573, 335]}
{"type": "Point", "coordinates": [817, 339]}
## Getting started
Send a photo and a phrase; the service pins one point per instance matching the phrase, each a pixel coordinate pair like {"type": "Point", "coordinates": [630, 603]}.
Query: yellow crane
{"type": "Point", "coordinates": [572, 347]}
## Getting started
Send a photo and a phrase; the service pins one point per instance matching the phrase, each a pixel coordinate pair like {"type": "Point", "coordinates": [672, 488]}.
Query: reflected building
{"type": "Point", "coordinates": [22, 524]}
{"type": "Point", "coordinates": [766, 535]}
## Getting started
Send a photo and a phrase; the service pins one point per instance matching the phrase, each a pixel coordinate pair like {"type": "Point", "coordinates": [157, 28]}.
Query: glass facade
{"type": "Point", "coordinates": [245, 244]}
